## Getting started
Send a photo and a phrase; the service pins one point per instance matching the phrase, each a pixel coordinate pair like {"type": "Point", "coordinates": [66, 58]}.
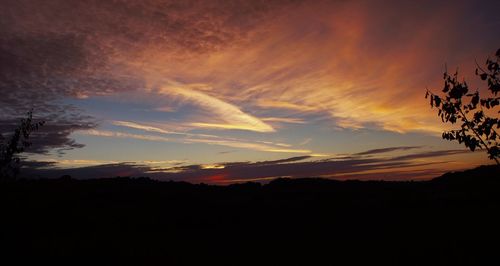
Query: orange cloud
{"type": "Point", "coordinates": [333, 58]}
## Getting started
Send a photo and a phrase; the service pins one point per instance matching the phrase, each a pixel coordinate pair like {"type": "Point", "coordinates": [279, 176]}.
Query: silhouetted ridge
{"type": "Point", "coordinates": [451, 220]}
{"type": "Point", "coordinates": [485, 173]}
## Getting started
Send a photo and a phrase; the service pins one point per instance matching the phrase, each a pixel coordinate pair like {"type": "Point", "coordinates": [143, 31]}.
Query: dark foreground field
{"type": "Point", "coordinates": [451, 220]}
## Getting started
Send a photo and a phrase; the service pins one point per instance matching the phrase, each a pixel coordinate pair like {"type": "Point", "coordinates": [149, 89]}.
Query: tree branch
{"type": "Point", "coordinates": [477, 135]}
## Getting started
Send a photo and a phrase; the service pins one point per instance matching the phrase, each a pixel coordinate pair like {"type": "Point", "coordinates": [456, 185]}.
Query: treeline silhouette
{"type": "Point", "coordinates": [451, 220]}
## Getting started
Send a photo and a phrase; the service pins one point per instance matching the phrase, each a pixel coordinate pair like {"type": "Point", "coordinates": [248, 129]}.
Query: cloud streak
{"type": "Point", "coordinates": [193, 138]}
{"type": "Point", "coordinates": [266, 146]}
{"type": "Point", "coordinates": [389, 149]}
{"type": "Point", "coordinates": [233, 117]}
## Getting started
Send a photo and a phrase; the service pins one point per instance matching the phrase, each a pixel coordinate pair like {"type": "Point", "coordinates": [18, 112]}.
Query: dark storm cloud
{"type": "Point", "coordinates": [43, 170]}
{"type": "Point", "coordinates": [397, 175]}
{"type": "Point", "coordinates": [38, 70]}
{"type": "Point", "coordinates": [389, 149]}
{"type": "Point", "coordinates": [287, 160]}
{"type": "Point", "coordinates": [30, 165]}
{"type": "Point", "coordinates": [53, 135]}
{"type": "Point", "coordinates": [430, 154]}
{"type": "Point", "coordinates": [349, 168]}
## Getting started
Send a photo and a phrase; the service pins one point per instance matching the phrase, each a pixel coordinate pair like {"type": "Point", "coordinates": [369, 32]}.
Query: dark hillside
{"type": "Point", "coordinates": [451, 220]}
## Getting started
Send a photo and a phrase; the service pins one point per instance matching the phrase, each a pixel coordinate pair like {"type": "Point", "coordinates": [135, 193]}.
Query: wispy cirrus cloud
{"type": "Point", "coordinates": [142, 127]}
{"type": "Point", "coordinates": [289, 120]}
{"type": "Point", "coordinates": [157, 129]}
{"type": "Point", "coordinates": [248, 145]}
{"type": "Point", "coordinates": [231, 116]}
{"type": "Point", "coordinates": [264, 146]}
{"type": "Point", "coordinates": [352, 70]}
{"type": "Point", "coordinates": [267, 103]}
{"type": "Point", "coordinates": [115, 134]}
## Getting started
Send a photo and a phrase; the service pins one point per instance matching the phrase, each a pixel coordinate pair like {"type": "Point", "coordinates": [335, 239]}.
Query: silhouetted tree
{"type": "Point", "coordinates": [479, 116]}
{"type": "Point", "coordinates": [9, 149]}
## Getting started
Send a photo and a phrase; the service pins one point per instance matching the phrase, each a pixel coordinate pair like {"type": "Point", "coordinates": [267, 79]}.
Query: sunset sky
{"type": "Point", "coordinates": [231, 91]}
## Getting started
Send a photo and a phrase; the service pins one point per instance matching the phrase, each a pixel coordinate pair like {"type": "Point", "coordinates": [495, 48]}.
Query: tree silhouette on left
{"type": "Point", "coordinates": [16, 144]}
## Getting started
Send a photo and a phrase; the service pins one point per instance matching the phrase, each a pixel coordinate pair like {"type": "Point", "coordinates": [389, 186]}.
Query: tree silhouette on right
{"type": "Point", "coordinates": [478, 115]}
